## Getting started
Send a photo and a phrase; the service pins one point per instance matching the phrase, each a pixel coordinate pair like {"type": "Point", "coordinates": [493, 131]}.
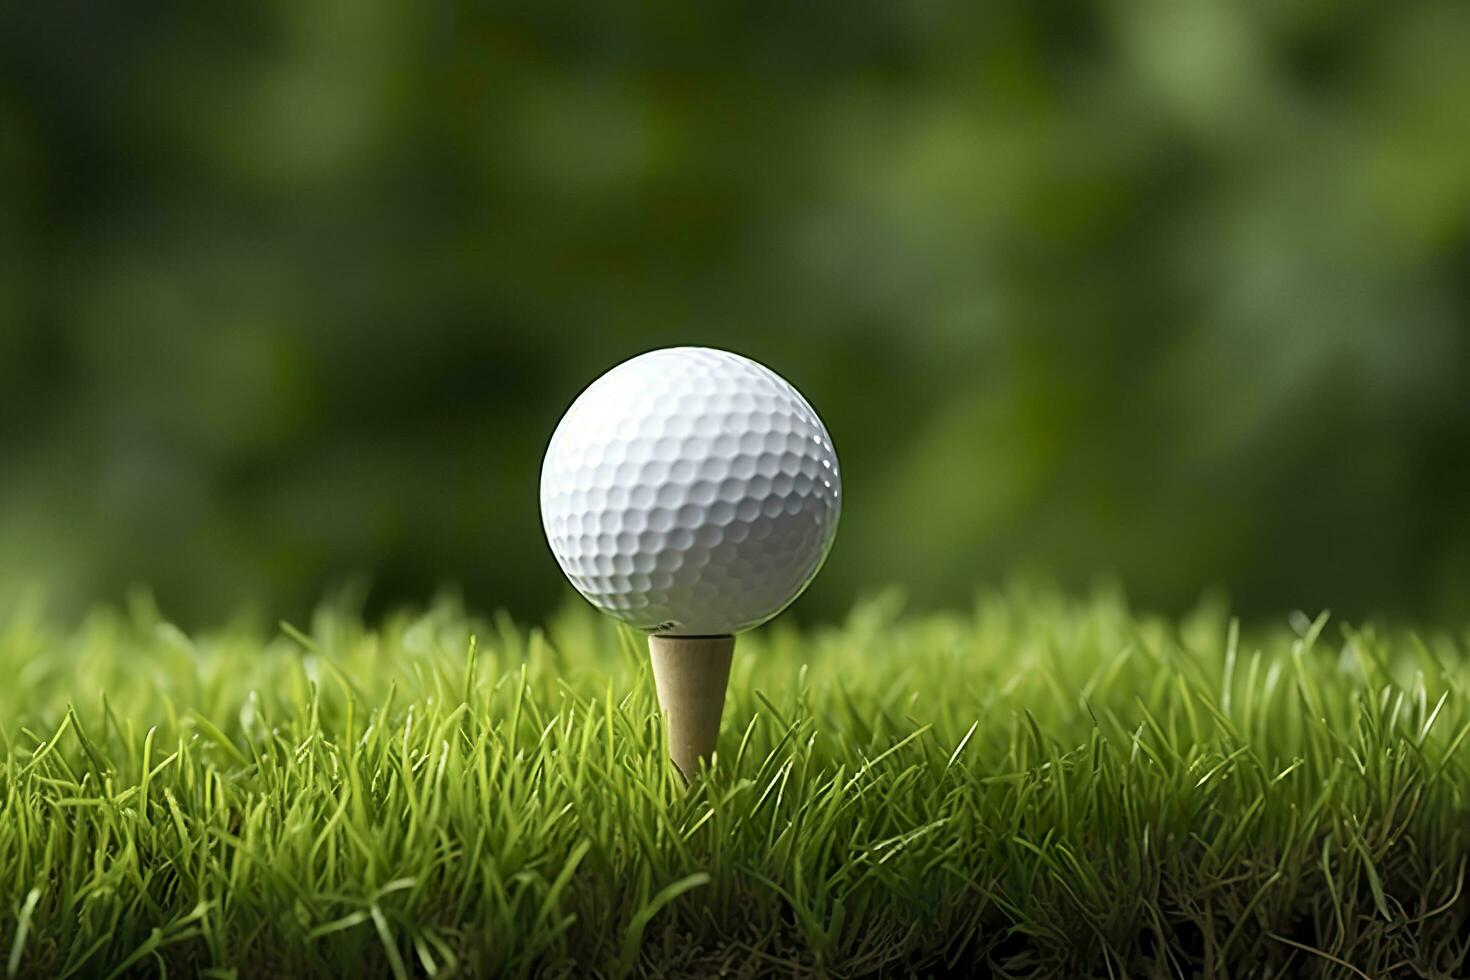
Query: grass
{"type": "Point", "coordinates": [1035, 787]}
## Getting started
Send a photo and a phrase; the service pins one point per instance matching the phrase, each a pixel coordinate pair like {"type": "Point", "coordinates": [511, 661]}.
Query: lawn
{"type": "Point", "coordinates": [1037, 786]}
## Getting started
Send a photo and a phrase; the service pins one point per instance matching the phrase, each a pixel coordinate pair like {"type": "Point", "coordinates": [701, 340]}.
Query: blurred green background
{"type": "Point", "coordinates": [1175, 292]}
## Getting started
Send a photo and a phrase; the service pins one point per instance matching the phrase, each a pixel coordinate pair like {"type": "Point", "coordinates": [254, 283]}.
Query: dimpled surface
{"type": "Point", "coordinates": [690, 492]}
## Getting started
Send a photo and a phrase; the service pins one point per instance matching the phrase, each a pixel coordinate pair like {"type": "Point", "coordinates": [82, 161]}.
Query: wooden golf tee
{"type": "Point", "coordinates": [690, 673]}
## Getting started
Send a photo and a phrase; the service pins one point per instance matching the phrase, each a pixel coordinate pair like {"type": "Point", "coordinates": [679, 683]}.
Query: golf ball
{"type": "Point", "coordinates": [690, 492]}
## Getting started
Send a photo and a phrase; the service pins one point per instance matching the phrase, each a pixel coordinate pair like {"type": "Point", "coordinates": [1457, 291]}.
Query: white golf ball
{"type": "Point", "coordinates": [690, 492]}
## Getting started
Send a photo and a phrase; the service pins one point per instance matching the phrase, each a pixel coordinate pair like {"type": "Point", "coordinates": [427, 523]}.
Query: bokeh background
{"type": "Point", "coordinates": [1178, 293]}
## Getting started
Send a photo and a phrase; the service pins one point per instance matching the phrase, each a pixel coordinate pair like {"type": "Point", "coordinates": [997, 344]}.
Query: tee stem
{"type": "Point", "coordinates": [690, 674]}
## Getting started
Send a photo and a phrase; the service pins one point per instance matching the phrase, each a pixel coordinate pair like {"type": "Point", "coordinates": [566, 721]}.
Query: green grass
{"type": "Point", "coordinates": [1034, 787]}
